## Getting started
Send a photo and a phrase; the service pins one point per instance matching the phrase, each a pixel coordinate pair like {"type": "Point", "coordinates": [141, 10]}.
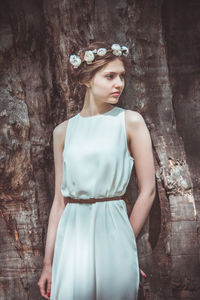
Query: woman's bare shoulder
{"type": "Point", "coordinates": [60, 129]}
{"type": "Point", "coordinates": [133, 118]}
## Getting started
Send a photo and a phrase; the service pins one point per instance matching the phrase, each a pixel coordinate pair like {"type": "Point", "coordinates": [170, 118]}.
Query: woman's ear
{"type": "Point", "coordinates": [86, 84]}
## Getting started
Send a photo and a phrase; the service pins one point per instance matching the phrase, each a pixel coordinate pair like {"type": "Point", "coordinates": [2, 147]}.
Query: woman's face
{"type": "Point", "coordinates": [108, 83]}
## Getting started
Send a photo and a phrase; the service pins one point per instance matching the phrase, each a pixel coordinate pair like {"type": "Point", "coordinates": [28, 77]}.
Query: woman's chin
{"type": "Point", "coordinates": [113, 99]}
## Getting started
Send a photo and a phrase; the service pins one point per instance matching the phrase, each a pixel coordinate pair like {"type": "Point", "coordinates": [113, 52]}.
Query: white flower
{"type": "Point", "coordinates": [101, 51]}
{"type": "Point", "coordinates": [125, 50]}
{"type": "Point", "coordinates": [116, 49]}
{"type": "Point", "coordinates": [89, 56]}
{"type": "Point", "coordinates": [75, 60]}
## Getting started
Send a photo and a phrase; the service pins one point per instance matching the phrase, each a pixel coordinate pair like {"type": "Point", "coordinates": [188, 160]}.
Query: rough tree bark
{"type": "Point", "coordinates": [37, 93]}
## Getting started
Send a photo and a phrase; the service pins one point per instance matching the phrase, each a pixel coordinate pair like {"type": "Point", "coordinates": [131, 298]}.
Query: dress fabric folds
{"type": "Point", "coordinates": [95, 254]}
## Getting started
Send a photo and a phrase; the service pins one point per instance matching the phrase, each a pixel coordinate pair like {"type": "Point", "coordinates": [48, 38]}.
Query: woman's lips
{"type": "Point", "coordinates": [115, 94]}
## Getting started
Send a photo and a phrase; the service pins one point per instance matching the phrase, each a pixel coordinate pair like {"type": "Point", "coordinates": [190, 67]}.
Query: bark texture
{"type": "Point", "coordinates": [37, 93]}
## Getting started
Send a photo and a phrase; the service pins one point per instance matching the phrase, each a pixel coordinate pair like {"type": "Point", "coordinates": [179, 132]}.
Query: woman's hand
{"type": "Point", "coordinates": [142, 274]}
{"type": "Point", "coordinates": [44, 282]}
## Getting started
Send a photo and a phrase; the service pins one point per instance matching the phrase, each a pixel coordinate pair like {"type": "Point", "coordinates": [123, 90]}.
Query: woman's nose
{"type": "Point", "coordinates": [119, 82]}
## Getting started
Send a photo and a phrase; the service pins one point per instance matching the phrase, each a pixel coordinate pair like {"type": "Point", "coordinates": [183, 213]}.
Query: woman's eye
{"type": "Point", "coordinates": [122, 76]}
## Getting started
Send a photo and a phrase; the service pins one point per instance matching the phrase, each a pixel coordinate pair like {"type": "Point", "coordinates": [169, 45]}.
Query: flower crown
{"type": "Point", "coordinates": [89, 55]}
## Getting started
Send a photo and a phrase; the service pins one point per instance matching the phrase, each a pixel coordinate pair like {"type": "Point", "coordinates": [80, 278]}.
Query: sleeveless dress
{"type": "Point", "coordinates": [95, 254]}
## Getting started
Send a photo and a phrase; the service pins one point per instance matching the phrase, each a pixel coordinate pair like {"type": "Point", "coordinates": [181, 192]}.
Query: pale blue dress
{"type": "Point", "coordinates": [95, 254]}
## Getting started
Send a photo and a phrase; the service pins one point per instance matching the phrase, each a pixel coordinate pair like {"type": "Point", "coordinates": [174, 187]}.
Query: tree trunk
{"type": "Point", "coordinates": [37, 93]}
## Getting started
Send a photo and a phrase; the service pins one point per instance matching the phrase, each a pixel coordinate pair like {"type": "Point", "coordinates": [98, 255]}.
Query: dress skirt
{"type": "Point", "coordinates": [95, 254]}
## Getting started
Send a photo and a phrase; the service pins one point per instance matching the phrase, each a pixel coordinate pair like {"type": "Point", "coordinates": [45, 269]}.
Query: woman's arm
{"type": "Point", "coordinates": [141, 150]}
{"type": "Point", "coordinates": [55, 212]}
{"type": "Point", "coordinates": [58, 202]}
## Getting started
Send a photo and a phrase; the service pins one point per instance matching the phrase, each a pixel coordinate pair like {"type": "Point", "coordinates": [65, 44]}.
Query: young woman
{"type": "Point", "coordinates": [91, 251]}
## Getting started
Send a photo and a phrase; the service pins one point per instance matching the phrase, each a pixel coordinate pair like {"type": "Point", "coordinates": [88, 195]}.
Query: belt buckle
{"type": "Point", "coordinates": [91, 200]}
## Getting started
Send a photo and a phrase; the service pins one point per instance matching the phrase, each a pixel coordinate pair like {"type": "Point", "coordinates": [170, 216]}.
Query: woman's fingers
{"type": "Point", "coordinates": [45, 282]}
{"type": "Point", "coordinates": [49, 288]}
{"type": "Point", "coordinates": [41, 284]}
{"type": "Point", "coordinates": [143, 274]}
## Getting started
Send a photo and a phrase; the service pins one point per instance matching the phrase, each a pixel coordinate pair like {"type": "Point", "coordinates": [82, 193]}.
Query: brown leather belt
{"type": "Point", "coordinates": [93, 200]}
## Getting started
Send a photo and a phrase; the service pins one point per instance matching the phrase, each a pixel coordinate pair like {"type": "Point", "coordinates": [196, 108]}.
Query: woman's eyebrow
{"type": "Point", "coordinates": [123, 72]}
